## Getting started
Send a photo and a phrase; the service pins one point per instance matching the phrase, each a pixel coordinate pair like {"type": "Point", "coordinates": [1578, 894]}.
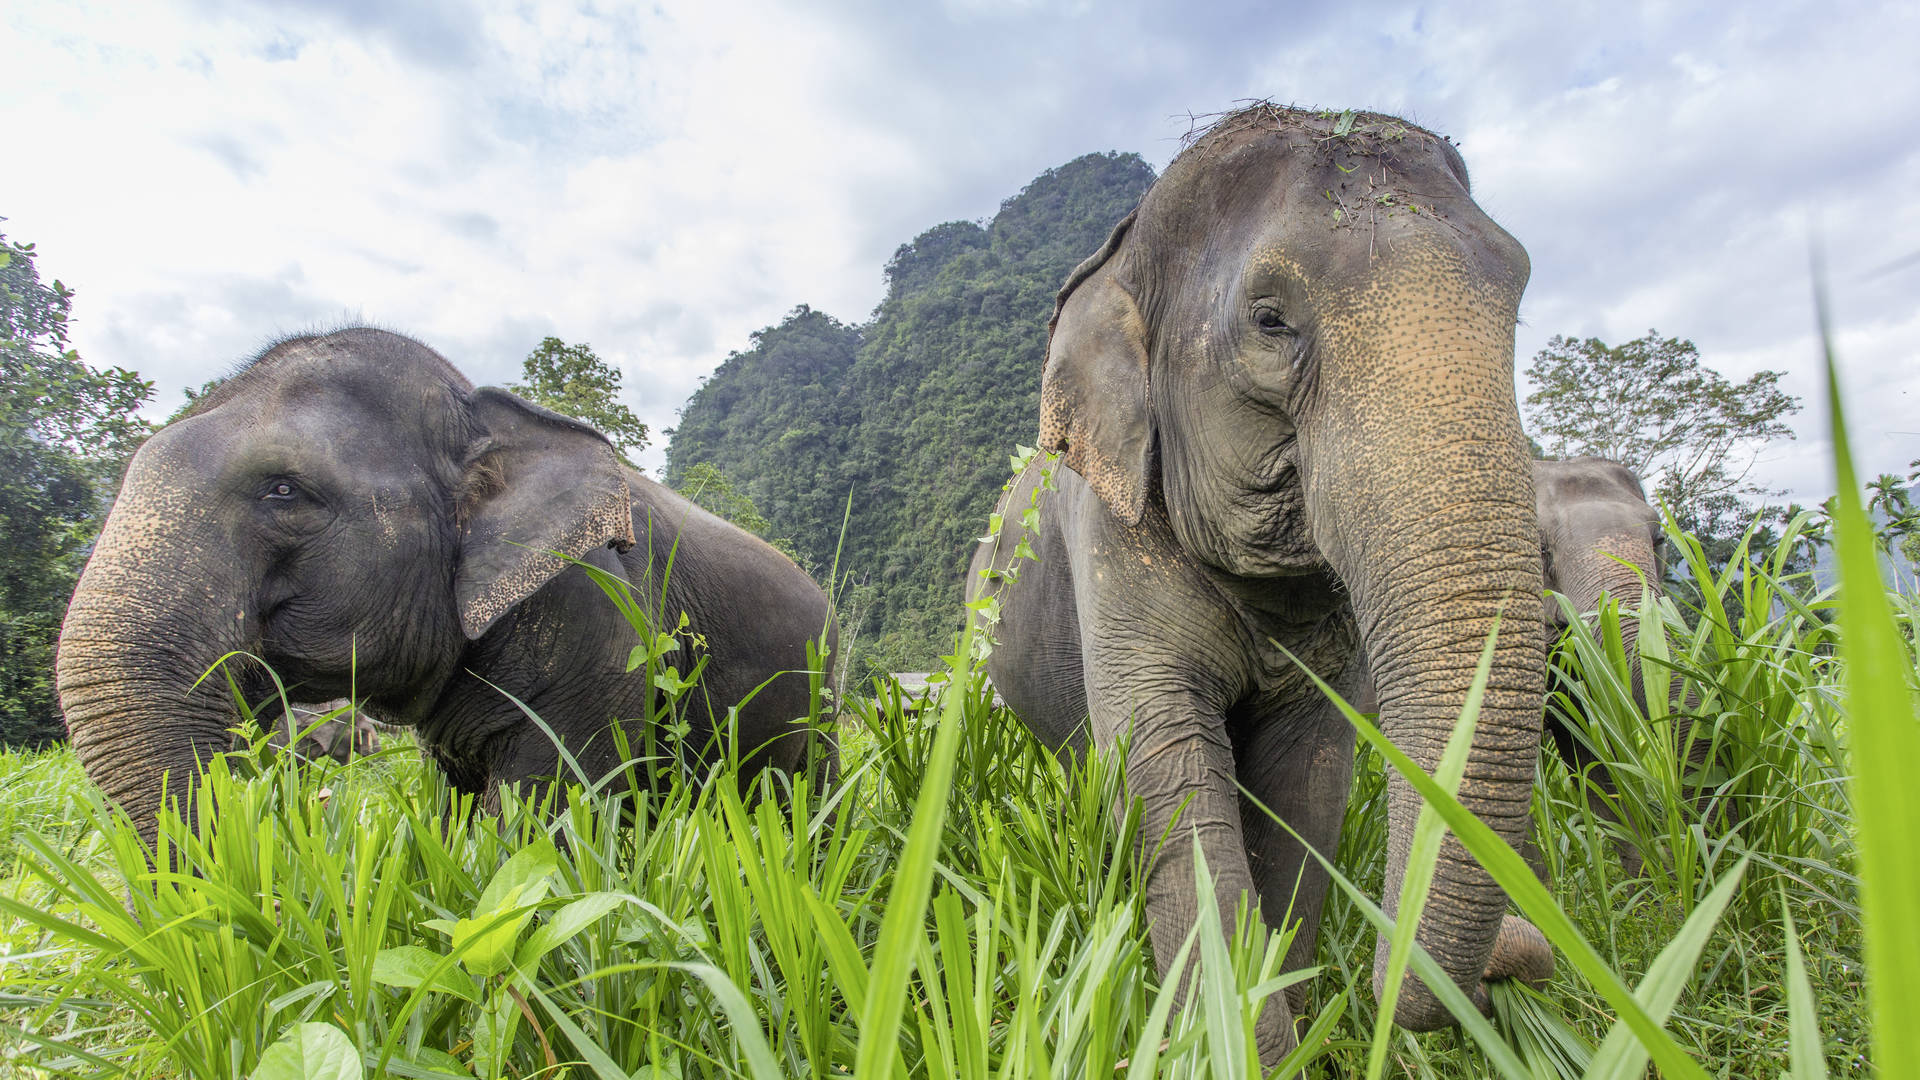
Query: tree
{"type": "Point", "coordinates": [573, 381]}
{"type": "Point", "coordinates": [66, 432]}
{"type": "Point", "coordinates": [710, 489]}
{"type": "Point", "coordinates": [1652, 406]}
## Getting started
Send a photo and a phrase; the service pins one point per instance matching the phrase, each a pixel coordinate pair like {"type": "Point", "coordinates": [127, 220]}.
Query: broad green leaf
{"type": "Point", "coordinates": [564, 924]}
{"type": "Point", "coordinates": [522, 879]}
{"type": "Point", "coordinates": [408, 966]}
{"type": "Point", "coordinates": [485, 944]}
{"type": "Point", "coordinates": [310, 1052]}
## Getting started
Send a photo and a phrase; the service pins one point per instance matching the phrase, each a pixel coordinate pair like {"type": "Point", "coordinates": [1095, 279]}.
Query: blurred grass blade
{"type": "Point", "coordinates": [1886, 743]}
{"type": "Point", "coordinates": [1622, 1056]}
{"type": "Point", "coordinates": [1806, 1057]}
{"type": "Point", "coordinates": [912, 884]}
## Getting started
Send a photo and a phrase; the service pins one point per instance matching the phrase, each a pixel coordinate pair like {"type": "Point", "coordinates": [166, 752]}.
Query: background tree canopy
{"type": "Point", "coordinates": [572, 380]}
{"type": "Point", "coordinates": [1651, 405]}
{"type": "Point", "coordinates": [913, 413]}
{"type": "Point", "coordinates": [66, 432]}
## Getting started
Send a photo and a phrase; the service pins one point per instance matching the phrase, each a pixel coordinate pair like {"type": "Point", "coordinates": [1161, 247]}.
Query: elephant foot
{"type": "Point", "coordinates": [1273, 1034]}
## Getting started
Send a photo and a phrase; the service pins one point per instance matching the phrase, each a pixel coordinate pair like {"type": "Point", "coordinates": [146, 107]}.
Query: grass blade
{"type": "Point", "coordinates": [1886, 741]}
{"type": "Point", "coordinates": [1623, 1056]}
{"type": "Point", "coordinates": [912, 884]}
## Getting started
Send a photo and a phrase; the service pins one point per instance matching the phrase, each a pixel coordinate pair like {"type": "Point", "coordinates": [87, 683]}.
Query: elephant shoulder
{"type": "Point", "coordinates": [714, 562]}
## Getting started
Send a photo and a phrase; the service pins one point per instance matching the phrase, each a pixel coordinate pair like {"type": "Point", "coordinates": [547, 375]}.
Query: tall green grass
{"type": "Point", "coordinates": [959, 904]}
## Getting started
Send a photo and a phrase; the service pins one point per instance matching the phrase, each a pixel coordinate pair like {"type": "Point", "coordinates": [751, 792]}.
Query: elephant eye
{"type": "Point", "coordinates": [280, 490]}
{"type": "Point", "coordinates": [1267, 317]}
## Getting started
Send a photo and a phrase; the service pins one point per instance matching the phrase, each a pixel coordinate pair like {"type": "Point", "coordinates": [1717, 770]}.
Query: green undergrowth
{"type": "Point", "coordinates": [959, 905]}
{"type": "Point", "coordinates": [706, 932]}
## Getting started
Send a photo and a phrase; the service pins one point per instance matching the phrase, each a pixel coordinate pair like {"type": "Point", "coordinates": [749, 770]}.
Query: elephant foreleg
{"type": "Point", "coordinates": [1181, 768]}
{"type": "Point", "coordinates": [1296, 766]}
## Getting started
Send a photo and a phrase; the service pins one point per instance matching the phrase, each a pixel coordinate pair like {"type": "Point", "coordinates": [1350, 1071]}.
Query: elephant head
{"type": "Point", "coordinates": [1299, 349]}
{"type": "Point", "coordinates": [347, 508]}
{"type": "Point", "coordinates": [1598, 537]}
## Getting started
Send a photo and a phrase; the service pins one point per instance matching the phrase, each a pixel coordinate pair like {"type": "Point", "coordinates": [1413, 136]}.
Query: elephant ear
{"type": "Point", "coordinates": [1093, 391]}
{"type": "Point", "coordinates": [536, 483]}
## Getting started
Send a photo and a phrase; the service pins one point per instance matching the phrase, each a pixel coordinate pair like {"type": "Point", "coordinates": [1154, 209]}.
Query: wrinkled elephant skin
{"type": "Point", "coordinates": [1282, 396]}
{"type": "Point", "coordinates": [350, 509]}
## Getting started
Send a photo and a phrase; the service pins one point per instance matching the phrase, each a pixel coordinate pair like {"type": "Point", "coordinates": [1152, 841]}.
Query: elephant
{"type": "Point", "coordinates": [352, 511]}
{"type": "Point", "coordinates": [1599, 536]}
{"type": "Point", "coordinates": [349, 734]}
{"type": "Point", "coordinates": [1279, 402]}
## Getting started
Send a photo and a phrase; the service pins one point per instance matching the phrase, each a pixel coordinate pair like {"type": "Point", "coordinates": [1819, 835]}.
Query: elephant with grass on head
{"type": "Point", "coordinates": [1282, 393]}
{"type": "Point", "coordinates": [351, 510]}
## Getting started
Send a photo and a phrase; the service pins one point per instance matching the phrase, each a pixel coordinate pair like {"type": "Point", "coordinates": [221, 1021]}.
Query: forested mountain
{"type": "Point", "coordinates": [914, 413]}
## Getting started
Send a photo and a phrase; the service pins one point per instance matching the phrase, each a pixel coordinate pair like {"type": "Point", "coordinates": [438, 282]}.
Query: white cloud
{"type": "Point", "coordinates": [662, 182]}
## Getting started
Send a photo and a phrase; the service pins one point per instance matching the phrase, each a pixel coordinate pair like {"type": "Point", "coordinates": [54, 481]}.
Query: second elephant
{"type": "Point", "coordinates": [1285, 435]}
{"type": "Point", "coordinates": [353, 511]}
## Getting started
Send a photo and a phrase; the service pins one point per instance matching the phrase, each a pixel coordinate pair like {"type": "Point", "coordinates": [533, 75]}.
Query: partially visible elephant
{"type": "Point", "coordinates": [1600, 537]}
{"type": "Point", "coordinates": [1282, 396]}
{"type": "Point", "coordinates": [334, 729]}
{"type": "Point", "coordinates": [349, 508]}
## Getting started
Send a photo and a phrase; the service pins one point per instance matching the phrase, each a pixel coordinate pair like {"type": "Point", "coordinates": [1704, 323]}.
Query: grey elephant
{"type": "Point", "coordinates": [332, 729]}
{"type": "Point", "coordinates": [1600, 537]}
{"type": "Point", "coordinates": [350, 509]}
{"type": "Point", "coordinates": [1282, 398]}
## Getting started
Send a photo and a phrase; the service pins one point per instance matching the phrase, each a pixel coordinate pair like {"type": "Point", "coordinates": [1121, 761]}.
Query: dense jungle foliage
{"type": "Point", "coordinates": [892, 412]}
{"type": "Point", "coordinates": [66, 432]}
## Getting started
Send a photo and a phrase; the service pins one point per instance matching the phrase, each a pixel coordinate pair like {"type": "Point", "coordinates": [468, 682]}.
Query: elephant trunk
{"type": "Point", "coordinates": [1424, 500]}
{"type": "Point", "coordinates": [1607, 566]}
{"type": "Point", "coordinates": [147, 619]}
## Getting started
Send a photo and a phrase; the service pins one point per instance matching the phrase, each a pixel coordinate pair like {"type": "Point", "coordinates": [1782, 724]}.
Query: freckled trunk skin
{"type": "Point", "coordinates": [1425, 505]}
{"type": "Point", "coordinates": [137, 636]}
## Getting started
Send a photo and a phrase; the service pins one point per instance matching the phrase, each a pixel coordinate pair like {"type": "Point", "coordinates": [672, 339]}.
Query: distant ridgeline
{"type": "Point", "coordinates": [914, 412]}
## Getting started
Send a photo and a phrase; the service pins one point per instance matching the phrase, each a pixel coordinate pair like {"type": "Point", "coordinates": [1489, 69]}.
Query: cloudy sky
{"type": "Point", "coordinates": [210, 173]}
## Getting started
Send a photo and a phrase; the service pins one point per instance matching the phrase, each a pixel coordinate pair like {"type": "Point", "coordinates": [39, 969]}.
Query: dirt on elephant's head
{"type": "Point", "coordinates": [1364, 134]}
